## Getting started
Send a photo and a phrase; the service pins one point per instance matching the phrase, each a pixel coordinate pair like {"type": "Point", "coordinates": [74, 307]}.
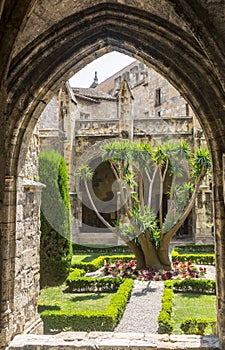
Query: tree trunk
{"type": "Point", "coordinates": [139, 255]}
{"type": "Point", "coordinates": [163, 255]}
{"type": "Point", "coordinates": [150, 253]}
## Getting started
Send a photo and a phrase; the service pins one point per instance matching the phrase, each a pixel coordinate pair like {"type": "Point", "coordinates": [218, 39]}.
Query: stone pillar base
{"type": "Point", "coordinates": [36, 327]}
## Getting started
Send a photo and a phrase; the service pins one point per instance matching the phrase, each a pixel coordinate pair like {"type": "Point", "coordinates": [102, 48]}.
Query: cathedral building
{"type": "Point", "coordinates": [136, 103]}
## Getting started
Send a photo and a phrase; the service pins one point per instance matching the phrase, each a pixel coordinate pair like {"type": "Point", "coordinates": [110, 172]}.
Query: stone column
{"type": "Point", "coordinates": [7, 261]}
{"type": "Point", "coordinates": [27, 275]}
{"type": "Point", "coordinates": [219, 217]}
{"type": "Point", "coordinates": [125, 98]}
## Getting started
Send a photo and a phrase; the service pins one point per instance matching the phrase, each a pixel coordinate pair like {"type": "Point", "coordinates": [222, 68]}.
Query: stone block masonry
{"type": "Point", "coordinates": [113, 341]}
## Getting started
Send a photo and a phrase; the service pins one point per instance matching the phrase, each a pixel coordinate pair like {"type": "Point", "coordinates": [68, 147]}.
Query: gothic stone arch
{"type": "Point", "coordinates": [42, 45]}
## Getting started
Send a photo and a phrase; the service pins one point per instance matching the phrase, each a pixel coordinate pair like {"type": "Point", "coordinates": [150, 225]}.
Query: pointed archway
{"type": "Point", "coordinates": [178, 42]}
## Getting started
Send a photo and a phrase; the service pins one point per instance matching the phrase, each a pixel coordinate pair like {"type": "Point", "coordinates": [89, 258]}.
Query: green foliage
{"type": "Point", "coordinates": [56, 241]}
{"type": "Point", "coordinates": [147, 222]}
{"type": "Point", "coordinates": [201, 163]}
{"type": "Point", "coordinates": [134, 164]}
{"type": "Point", "coordinates": [106, 320]}
{"type": "Point", "coordinates": [206, 259]}
{"type": "Point", "coordinates": [164, 317]}
{"type": "Point", "coordinates": [165, 320]}
{"type": "Point", "coordinates": [84, 172]}
{"type": "Point", "coordinates": [88, 284]}
{"type": "Point", "coordinates": [75, 273]}
{"type": "Point", "coordinates": [117, 151]}
{"type": "Point", "coordinates": [198, 325]}
{"type": "Point", "coordinates": [101, 261]}
{"type": "Point", "coordinates": [201, 286]}
{"type": "Point", "coordinates": [78, 248]}
{"type": "Point", "coordinates": [196, 258]}
{"type": "Point", "coordinates": [195, 248]}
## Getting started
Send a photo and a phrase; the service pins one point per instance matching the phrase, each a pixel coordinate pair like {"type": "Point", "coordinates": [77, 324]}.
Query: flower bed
{"type": "Point", "coordinates": [179, 270]}
{"type": "Point", "coordinates": [100, 261]}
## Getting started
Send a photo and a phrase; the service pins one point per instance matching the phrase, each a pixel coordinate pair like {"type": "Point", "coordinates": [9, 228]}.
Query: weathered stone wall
{"type": "Point", "coordinates": [27, 264]}
{"type": "Point", "coordinates": [114, 341]}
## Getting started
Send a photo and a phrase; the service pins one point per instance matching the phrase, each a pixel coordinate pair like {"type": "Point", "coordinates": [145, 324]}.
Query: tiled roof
{"type": "Point", "coordinates": [92, 94]}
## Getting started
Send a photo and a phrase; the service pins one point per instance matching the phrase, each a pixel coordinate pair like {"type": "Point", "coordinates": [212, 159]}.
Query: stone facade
{"type": "Point", "coordinates": [43, 43]}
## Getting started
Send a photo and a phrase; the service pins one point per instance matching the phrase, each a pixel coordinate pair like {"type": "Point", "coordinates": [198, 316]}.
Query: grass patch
{"type": "Point", "coordinates": [86, 312]}
{"type": "Point", "coordinates": [192, 305]}
{"type": "Point", "coordinates": [55, 299]}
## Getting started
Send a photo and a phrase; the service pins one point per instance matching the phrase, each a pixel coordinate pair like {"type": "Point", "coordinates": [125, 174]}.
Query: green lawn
{"type": "Point", "coordinates": [55, 299]}
{"type": "Point", "coordinates": [192, 305]}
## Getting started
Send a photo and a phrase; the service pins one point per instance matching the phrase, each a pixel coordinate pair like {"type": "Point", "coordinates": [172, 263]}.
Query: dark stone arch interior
{"type": "Point", "coordinates": [191, 59]}
{"type": "Point", "coordinates": [168, 49]}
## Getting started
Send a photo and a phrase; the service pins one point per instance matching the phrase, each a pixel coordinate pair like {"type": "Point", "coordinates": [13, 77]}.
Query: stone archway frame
{"type": "Point", "coordinates": [172, 51]}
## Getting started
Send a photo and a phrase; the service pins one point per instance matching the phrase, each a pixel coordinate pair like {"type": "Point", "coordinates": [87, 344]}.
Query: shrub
{"type": "Point", "coordinates": [195, 248]}
{"type": "Point", "coordinates": [199, 258]}
{"type": "Point", "coordinates": [165, 323]}
{"type": "Point", "coordinates": [198, 325]}
{"type": "Point", "coordinates": [198, 254]}
{"type": "Point", "coordinates": [75, 273]}
{"type": "Point", "coordinates": [77, 248]}
{"type": "Point", "coordinates": [202, 286]}
{"type": "Point", "coordinates": [190, 325]}
{"type": "Point", "coordinates": [56, 320]}
{"type": "Point", "coordinates": [101, 261]}
{"type": "Point", "coordinates": [164, 317]}
{"type": "Point", "coordinates": [56, 245]}
{"type": "Point", "coordinates": [88, 284]}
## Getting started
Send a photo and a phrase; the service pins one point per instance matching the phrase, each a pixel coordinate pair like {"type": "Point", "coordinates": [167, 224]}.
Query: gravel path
{"type": "Point", "coordinates": [143, 308]}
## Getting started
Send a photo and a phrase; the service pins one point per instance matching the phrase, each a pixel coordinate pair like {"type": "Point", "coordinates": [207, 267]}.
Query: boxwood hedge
{"type": "Point", "coordinates": [58, 320]}
{"type": "Point", "coordinates": [101, 261]}
{"type": "Point", "coordinates": [197, 254]}
{"type": "Point", "coordinates": [188, 326]}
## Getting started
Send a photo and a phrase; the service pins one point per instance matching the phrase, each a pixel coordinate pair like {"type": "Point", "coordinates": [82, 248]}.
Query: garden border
{"type": "Point", "coordinates": [189, 325]}
{"type": "Point", "coordinates": [57, 320]}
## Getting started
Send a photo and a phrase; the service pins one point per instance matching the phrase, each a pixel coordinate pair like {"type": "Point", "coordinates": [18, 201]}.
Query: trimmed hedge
{"type": "Point", "coordinates": [199, 259]}
{"type": "Point", "coordinates": [56, 320]}
{"type": "Point", "coordinates": [75, 273]}
{"type": "Point", "coordinates": [193, 325]}
{"type": "Point", "coordinates": [195, 248]}
{"type": "Point", "coordinates": [201, 286]}
{"type": "Point", "coordinates": [91, 285]}
{"type": "Point", "coordinates": [77, 248]}
{"type": "Point", "coordinates": [191, 253]}
{"type": "Point", "coordinates": [101, 261]}
{"type": "Point", "coordinates": [56, 233]}
{"type": "Point", "coordinates": [198, 325]}
{"type": "Point", "coordinates": [164, 317]}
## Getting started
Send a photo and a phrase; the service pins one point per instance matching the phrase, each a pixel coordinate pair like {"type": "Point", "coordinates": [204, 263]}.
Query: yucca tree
{"type": "Point", "coordinates": [147, 233]}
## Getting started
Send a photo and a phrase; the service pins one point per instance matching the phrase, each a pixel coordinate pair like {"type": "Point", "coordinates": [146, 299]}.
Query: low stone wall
{"type": "Point", "coordinates": [113, 341]}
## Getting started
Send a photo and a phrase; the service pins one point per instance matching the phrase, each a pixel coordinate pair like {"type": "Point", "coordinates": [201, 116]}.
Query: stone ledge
{"type": "Point", "coordinates": [113, 341]}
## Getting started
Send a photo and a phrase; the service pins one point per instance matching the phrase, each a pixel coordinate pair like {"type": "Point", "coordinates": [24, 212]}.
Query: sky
{"type": "Point", "coordinates": [105, 66]}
